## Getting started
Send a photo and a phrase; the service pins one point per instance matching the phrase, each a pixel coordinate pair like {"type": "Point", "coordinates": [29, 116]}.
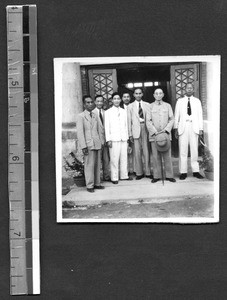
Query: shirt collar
{"type": "Point", "coordinates": [88, 112]}
{"type": "Point", "coordinates": [114, 107]}
{"type": "Point", "coordinates": [137, 103]}
{"type": "Point", "coordinates": [158, 102]}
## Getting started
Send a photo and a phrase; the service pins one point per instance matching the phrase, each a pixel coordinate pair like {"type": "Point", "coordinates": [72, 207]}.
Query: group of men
{"type": "Point", "coordinates": [125, 138]}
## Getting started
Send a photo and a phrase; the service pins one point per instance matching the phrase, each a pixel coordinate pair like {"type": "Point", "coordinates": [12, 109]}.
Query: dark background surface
{"type": "Point", "coordinates": [118, 261]}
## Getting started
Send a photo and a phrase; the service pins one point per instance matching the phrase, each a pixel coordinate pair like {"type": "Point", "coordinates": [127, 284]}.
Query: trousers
{"type": "Point", "coordinates": [141, 153]}
{"type": "Point", "coordinates": [118, 160]}
{"type": "Point", "coordinates": [188, 137]}
{"type": "Point", "coordinates": [105, 163]}
{"type": "Point", "coordinates": [157, 166]}
{"type": "Point", "coordinates": [92, 165]}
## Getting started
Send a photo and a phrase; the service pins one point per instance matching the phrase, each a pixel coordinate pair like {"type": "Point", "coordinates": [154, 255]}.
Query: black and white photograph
{"type": "Point", "coordinates": [137, 139]}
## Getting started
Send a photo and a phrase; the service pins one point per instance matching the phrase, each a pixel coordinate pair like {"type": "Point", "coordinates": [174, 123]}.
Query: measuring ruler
{"type": "Point", "coordinates": [23, 165]}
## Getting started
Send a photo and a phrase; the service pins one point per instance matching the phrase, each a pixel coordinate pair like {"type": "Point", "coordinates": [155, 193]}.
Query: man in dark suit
{"type": "Point", "coordinates": [90, 140]}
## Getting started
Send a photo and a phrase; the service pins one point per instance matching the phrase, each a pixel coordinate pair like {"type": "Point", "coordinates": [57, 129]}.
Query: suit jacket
{"type": "Point", "coordinates": [181, 114]}
{"type": "Point", "coordinates": [133, 118]}
{"type": "Point", "coordinates": [116, 125]}
{"type": "Point", "coordinates": [102, 126]}
{"type": "Point", "coordinates": [159, 117]}
{"type": "Point", "coordinates": [89, 131]}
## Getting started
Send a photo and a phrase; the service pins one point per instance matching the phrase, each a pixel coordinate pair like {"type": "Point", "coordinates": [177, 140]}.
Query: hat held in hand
{"type": "Point", "coordinates": [162, 142]}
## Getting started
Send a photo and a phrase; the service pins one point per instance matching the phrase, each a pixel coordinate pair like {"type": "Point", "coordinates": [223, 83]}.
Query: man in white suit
{"type": "Point", "coordinates": [99, 102]}
{"type": "Point", "coordinates": [90, 140]}
{"type": "Point", "coordinates": [188, 127]}
{"type": "Point", "coordinates": [116, 130]}
{"type": "Point", "coordinates": [138, 133]}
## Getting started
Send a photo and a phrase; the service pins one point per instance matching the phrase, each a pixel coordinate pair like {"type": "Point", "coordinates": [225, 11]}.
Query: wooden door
{"type": "Point", "coordinates": [102, 82]}
{"type": "Point", "coordinates": [180, 76]}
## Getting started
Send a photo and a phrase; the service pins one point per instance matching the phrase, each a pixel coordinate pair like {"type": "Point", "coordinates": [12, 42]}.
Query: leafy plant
{"type": "Point", "coordinates": [74, 165]}
{"type": "Point", "coordinates": [207, 162]}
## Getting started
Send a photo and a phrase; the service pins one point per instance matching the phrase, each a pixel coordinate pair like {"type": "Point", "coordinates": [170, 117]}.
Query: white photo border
{"type": "Point", "coordinates": [83, 61]}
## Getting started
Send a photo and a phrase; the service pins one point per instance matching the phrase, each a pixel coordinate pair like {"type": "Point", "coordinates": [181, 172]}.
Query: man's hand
{"type": "Point", "coordinates": [176, 133]}
{"type": "Point", "coordinates": [85, 151]}
{"type": "Point", "coordinates": [131, 140]}
{"type": "Point", "coordinates": [109, 144]}
{"type": "Point", "coordinates": [158, 132]}
{"type": "Point", "coordinates": [201, 133]}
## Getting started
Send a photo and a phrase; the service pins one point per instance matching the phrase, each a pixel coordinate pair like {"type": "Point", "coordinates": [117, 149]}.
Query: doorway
{"type": "Point", "coordinates": [171, 77]}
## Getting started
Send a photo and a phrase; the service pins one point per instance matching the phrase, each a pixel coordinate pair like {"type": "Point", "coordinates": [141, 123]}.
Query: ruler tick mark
{"type": "Point", "coordinates": [15, 12]}
{"type": "Point", "coordinates": [16, 87]}
{"type": "Point", "coordinates": [15, 200]}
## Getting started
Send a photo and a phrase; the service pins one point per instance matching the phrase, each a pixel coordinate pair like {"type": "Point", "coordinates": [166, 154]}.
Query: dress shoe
{"type": "Point", "coordinates": [149, 176]}
{"type": "Point", "coordinates": [131, 173]}
{"type": "Point", "coordinates": [138, 177]}
{"type": "Point", "coordinates": [171, 179]}
{"type": "Point", "coordinates": [198, 175]}
{"type": "Point", "coordinates": [155, 180]}
{"type": "Point", "coordinates": [183, 176]}
{"type": "Point", "coordinates": [99, 187]}
{"type": "Point", "coordinates": [115, 182]}
{"type": "Point", "coordinates": [90, 190]}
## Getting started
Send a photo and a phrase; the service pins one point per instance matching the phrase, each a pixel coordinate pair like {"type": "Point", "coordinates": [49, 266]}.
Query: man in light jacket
{"type": "Point", "coordinates": [90, 140]}
{"type": "Point", "coordinates": [116, 130]}
{"type": "Point", "coordinates": [138, 134]}
{"type": "Point", "coordinates": [159, 119]}
{"type": "Point", "coordinates": [188, 127]}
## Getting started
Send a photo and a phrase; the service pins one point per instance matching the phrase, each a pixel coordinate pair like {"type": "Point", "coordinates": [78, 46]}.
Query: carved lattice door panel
{"type": "Point", "coordinates": [102, 82]}
{"type": "Point", "coordinates": [180, 76]}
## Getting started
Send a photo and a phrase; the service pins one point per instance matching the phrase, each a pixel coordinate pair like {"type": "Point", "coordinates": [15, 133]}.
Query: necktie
{"type": "Point", "coordinates": [189, 111]}
{"type": "Point", "coordinates": [140, 111]}
{"type": "Point", "coordinates": [100, 116]}
{"type": "Point", "coordinates": [91, 114]}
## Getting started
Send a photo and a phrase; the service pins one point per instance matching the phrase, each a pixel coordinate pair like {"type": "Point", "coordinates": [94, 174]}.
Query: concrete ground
{"type": "Point", "coordinates": [170, 210]}
{"type": "Point", "coordinates": [141, 190]}
{"type": "Point", "coordinates": [191, 197]}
